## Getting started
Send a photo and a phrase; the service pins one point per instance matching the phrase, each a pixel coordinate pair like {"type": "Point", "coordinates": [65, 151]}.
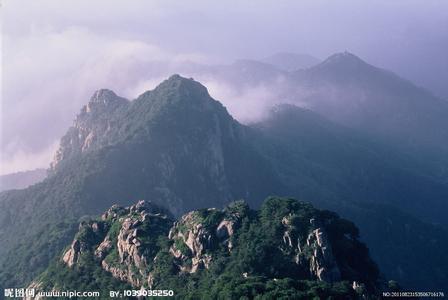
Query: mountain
{"type": "Point", "coordinates": [180, 148]}
{"type": "Point", "coordinates": [346, 165]}
{"type": "Point", "coordinates": [291, 61]}
{"type": "Point", "coordinates": [378, 103]}
{"type": "Point", "coordinates": [380, 189]}
{"type": "Point", "coordinates": [174, 144]}
{"type": "Point", "coordinates": [21, 180]}
{"type": "Point", "coordinates": [353, 93]}
{"type": "Point", "coordinates": [287, 248]}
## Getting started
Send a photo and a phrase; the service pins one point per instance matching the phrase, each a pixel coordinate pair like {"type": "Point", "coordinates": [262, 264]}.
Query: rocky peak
{"type": "Point", "coordinates": [104, 96]}
{"type": "Point", "coordinates": [123, 241]}
{"type": "Point", "coordinates": [142, 246]}
{"type": "Point", "coordinates": [101, 100]}
{"type": "Point", "coordinates": [91, 125]}
{"type": "Point", "coordinates": [179, 92]}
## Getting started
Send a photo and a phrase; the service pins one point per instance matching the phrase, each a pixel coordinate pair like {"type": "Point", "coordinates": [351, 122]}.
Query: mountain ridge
{"type": "Point", "coordinates": [185, 156]}
{"type": "Point", "coordinates": [301, 243]}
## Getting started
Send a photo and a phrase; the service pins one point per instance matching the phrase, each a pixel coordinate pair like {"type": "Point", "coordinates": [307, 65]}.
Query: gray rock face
{"type": "Point", "coordinates": [72, 255]}
{"type": "Point", "coordinates": [132, 262]}
{"type": "Point", "coordinates": [103, 248]}
{"type": "Point", "coordinates": [190, 233]}
{"type": "Point", "coordinates": [121, 233]}
{"type": "Point", "coordinates": [224, 231]}
{"type": "Point", "coordinates": [195, 239]}
{"type": "Point", "coordinates": [82, 242]}
{"type": "Point", "coordinates": [322, 263]}
{"type": "Point", "coordinates": [94, 122]}
{"type": "Point", "coordinates": [142, 246]}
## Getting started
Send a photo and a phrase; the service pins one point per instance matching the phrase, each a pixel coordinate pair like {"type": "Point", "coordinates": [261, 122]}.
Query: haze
{"type": "Point", "coordinates": [55, 54]}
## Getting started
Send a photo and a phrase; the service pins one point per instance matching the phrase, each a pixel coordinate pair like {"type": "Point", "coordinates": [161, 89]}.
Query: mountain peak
{"type": "Point", "coordinates": [177, 83]}
{"type": "Point", "coordinates": [103, 98]}
{"type": "Point", "coordinates": [102, 95]}
{"type": "Point", "coordinates": [345, 58]}
{"type": "Point", "coordinates": [175, 90]}
{"type": "Point", "coordinates": [344, 66]}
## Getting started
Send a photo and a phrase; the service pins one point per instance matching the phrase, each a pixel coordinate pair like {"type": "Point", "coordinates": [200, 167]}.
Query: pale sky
{"type": "Point", "coordinates": [56, 53]}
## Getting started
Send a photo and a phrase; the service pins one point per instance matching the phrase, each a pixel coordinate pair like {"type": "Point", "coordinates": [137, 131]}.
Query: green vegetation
{"type": "Point", "coordinates": [180, 148]}
{"type": "Point", "coordinates": [182, 247]}
{"type": "Point", "coordinates": [87, 275]}
{"type": "Point", "coordinates": [257, 267]}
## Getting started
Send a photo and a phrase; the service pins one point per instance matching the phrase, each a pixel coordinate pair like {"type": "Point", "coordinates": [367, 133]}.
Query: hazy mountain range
{"type": "Point", "coordinates": [342, 134]}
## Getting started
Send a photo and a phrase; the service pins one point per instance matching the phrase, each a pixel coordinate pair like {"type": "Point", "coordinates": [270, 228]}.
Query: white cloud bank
{"type": "Point", "coordinates": [50, 74]}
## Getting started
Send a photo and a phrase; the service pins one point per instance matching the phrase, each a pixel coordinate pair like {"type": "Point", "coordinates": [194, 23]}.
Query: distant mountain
{"type": "Point", "coordinates": [377, 102]}
{"type": "Point", "coordinates": [301, 144]}
{"type": "Point", "coordinates": [291, 61]}
{"type": "Point", "coordinates": [286, 248]}
{"type": "Point", "coordinates": [350, 92]}
{"type": "Point", "coordinates": [181, 149]}
{"type": "Point", "coordinates": [21, 180]}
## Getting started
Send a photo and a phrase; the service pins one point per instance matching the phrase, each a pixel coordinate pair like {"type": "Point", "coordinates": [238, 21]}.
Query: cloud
{"type": "Point", "coordinates": [22, 160]}
{"type": "Point", "coordinates": [247, 105]}
{"type": "Point", "coordinates": [50, 74]}
{"type": "Point", "coordinates": [55, 55]}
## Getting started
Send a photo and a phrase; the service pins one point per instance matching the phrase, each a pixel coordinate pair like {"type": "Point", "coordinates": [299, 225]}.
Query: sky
{"type": "Point", "coordinates": [55, 54]}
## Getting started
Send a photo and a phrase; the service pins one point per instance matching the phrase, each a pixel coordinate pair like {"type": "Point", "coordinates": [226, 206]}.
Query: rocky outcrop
{"type": "Point", "coordinates": [322, 263]}
{"type": "Point", "coordinates": [199, 233]}
{"type": "Point", "coordinates": [224, 231]}
{"type": "Point", "coordinates": [134, 238]}
{"type": "Point", "coordinates": [191, 240]}
{"type": "Point", "coordinates": [314, 251]}
{"type": "Point", "coordinates": [104, 248]}
{"type": "Point", "coordinates": [141, 245]}
{"type": "Point", "coordinates": [71, 257]}
{"type": "Point", "coordinates": [93, 123]}
{"type": "Point", "coordinates": [122, 241]}
{"type": "Point", "coordinates": [87, 235]}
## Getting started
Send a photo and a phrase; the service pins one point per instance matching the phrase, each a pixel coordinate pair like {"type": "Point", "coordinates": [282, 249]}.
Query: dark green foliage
{"type": "Point", "coordinates": [87, 275]}
{"type": "Point", "coordinates": [180, 245]}
{"type": "Point", "coordinates": [257, 267]}
{"type": "Point", "coordinates": [52, 239]}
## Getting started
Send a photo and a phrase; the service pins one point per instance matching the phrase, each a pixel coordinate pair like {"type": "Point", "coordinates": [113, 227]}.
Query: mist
{"type": "Point", "coordinates": [56, 54]}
